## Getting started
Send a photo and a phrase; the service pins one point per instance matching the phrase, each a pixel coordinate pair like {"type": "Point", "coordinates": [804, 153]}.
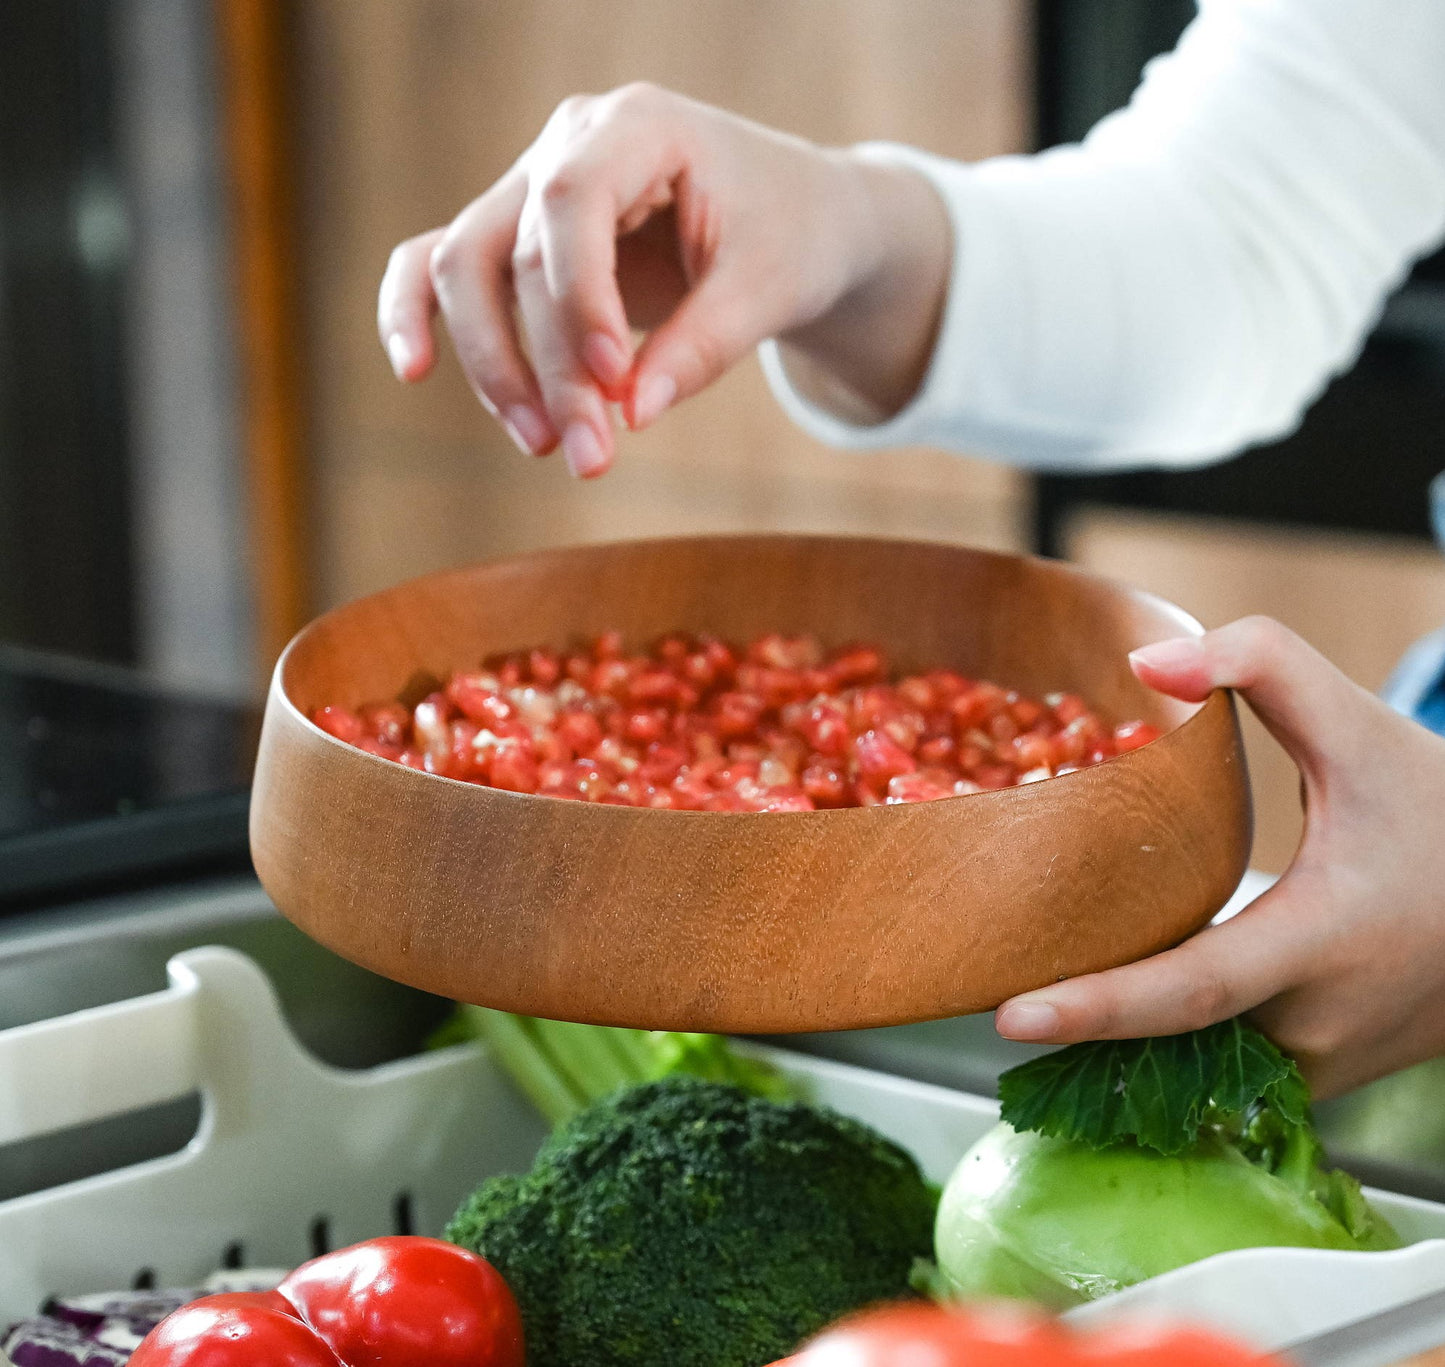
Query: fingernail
{"type": "Point", "coordinates": [582, 451]}
{"type": "Point", "coordinates": [1170, 657]}
{"type": "Point", "coordinates": [400, 354]}
{"type": "Point", "coordinates": [528, 428]}
{"type": "Point", "coordinates": [1028, 1021]}
{"type": "Point", "coordinates": [654, 394]}
{"type": "Point", "coordinates": [606, 358]}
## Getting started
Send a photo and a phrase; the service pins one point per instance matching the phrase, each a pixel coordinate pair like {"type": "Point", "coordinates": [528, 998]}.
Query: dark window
{"type": "Point", "coordinates": [1368, 448]}
{"type": "Point", "coordinates": [65, 551]}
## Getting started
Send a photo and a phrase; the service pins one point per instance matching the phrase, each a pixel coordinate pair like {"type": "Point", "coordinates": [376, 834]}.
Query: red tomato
{"type": "Point", "coordinates": [408, 1302]}
{"type": "Point", "coordinates": [1010, 1336]}
{"type": "Point", "coordinates": [238, 1330]}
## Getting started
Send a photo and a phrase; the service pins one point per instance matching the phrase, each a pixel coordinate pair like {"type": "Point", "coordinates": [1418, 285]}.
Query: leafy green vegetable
{"type": "Point", "coordinates": [1158, 1092]}
{"type": "Point", "coordinates": [563, 1067]}
{"type": "Point", "coordinates": [1117, 1161]}
{"type": "Point", "coordinates": [687, 1222]}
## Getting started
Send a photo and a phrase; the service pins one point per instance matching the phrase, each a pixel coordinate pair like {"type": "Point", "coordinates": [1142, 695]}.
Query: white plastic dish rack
{"type": "Point", "coordinates": [290, 1151]}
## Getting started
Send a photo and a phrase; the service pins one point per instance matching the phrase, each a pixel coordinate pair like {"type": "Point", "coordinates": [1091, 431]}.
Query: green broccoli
{"type": "Point", "coordinates": [685, 1221]}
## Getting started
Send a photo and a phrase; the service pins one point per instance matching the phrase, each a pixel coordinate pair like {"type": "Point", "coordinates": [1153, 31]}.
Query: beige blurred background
{"type": "Point", "coordinates": [410, 109]}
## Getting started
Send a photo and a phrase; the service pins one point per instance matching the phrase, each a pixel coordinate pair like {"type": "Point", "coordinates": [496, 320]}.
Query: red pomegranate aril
{"type": "Point", "coordinates": [825, 783]}
{"type": "Point", "coordinates": [904, 730]}
{"type": "Point", "coordinates": [1067, 747]}
{"type": "Point", "coordinates": [579, 731]}
{"type": "Point", "coordinates": [340, 722]}
{"type": "Point", "coordinates": [388, 722]}
{"type": "Point", "coordinates": [646, 727]}
{"type": "Point", "coordinates": [651, 686]}
{"type": "Point", "coordinates": [1030, 751]}
{"type": "Point", "coordinates": [856, 665]}
{"type": "Point", "coordinates": [694, 725]}
{"type": "Point", "coordinates": [739, 771]}
{"type": "Point", "coordinates": [545, 667]}
{"type": "Point", "coordinates": [783, 800]}
{"type": "Point", "coordinates": [873, 706]}
{"type": "Point", "coordinates": [994, 775]}
{"type": "Point", "coordinates": [1132, 734]}
{"type": "Point", "coordinates": [825, 728]}
{"type": "Point", "coordinates": [737, 714]}
{"type": "Point", "coordinates": [938, 750]}
{"type": "Point", "coordinates": [917, 693]}
{"type": "Point", "coordinates": [1025, 711]}
{"type": "Point", "coordinates": [1066, 707]}
{"type": "Point", "coordinates": [379, 748]}
{"type": "Point", "coordinates": [673, 650]}
{"type": "Point", "coordinates": [879, 758]}
{"type": "Point", "coordinates": [1002, 728]}
{"type": "Point", "coordinates": [917, 788]}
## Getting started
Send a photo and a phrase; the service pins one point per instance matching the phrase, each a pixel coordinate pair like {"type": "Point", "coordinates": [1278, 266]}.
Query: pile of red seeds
{"type": "Point", "coordinates": [699, 725]}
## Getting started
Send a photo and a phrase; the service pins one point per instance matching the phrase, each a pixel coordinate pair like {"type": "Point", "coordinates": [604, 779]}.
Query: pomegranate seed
{"type": "Point", "coordinates": [1132, 734]}
{"type": "Point", "coordinates": [388, 722]}
{"type": "Point", "coordinates": [694, 725]}
{"type": "Point", "coordinates": [340, 722]}
{"type": "Point", "coordinates": [880, 758]}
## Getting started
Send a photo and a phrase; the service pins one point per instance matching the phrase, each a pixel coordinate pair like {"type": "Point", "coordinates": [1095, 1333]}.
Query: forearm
{"type": "Point", "coordinates": [1184, 283]}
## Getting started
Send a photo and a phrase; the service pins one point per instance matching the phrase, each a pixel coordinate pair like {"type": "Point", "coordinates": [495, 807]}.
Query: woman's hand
{"type": "Point", "coordinates": [1342, 962]}
{"type": "Point", "coordinates": [642, 208]}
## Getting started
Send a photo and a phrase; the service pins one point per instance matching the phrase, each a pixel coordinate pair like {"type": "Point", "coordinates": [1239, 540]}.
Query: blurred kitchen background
{"type": "Point", "coordinates": [201, 444]}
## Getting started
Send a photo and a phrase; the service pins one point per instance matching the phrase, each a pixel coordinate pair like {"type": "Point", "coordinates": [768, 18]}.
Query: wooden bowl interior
{"type": "Point", "coordinates": [1029, 624]}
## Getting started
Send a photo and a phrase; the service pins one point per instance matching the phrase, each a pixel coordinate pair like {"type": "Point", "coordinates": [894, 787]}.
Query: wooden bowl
{"type": "Point", "coordinates": [751, 922]}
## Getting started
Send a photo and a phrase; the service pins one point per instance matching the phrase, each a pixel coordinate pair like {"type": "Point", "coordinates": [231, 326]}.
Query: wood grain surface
{"type": "Point", "coordinates": [749, 922]}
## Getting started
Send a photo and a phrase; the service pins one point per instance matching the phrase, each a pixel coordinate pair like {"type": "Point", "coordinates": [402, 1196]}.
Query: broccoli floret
{"type": "Point", "coordinates": [687, 1222]}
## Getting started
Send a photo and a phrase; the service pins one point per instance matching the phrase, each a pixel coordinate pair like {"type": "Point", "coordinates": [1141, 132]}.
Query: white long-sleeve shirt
{"type": "Point", "coordinates": [1186, 281]}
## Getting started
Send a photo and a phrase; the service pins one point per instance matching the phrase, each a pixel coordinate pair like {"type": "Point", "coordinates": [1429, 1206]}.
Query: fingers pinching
{"type": "Point", "coordinates": [470, 271]}
{"type": "Point", "coordinates": [703, 339]}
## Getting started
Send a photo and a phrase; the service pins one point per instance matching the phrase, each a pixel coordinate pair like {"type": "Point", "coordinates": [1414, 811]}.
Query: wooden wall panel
{"type": "Point", "coordinates": [1361, 600]}
{"type": "Point", "coordinates": [410, 107]}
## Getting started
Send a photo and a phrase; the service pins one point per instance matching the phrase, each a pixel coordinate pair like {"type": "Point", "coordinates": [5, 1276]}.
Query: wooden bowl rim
{"type": "Point", "coordinates": [483, 792]}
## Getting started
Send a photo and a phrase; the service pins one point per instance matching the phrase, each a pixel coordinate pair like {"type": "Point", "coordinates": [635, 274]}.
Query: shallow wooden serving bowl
{"type": "Point", "coordinates": [755, 922]}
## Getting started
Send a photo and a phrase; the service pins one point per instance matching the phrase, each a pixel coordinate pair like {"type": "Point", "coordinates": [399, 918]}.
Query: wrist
{"type": "Point", "coordinates": [865, 356]}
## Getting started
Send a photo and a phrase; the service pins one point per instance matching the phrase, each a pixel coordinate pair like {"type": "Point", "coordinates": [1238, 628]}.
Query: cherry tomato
{"type": "Point", "coordinates": [236, 1330]}
{"type": "Point", "coordinates": [408, 1302]}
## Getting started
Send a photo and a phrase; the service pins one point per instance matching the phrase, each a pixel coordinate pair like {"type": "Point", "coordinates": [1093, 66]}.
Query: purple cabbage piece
{"type": "Point", "coordinates": [104, 1329]}
{"type": "Point", "coordinates": [90, 1331]}
{"type": "Point", "coordinates": [137, 1308]}
{"type": "Point", "coordinates": [53, 1343]}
